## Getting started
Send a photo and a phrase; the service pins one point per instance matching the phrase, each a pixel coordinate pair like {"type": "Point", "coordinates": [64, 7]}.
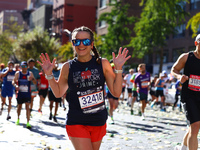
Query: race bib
{"type": "Point", "coordinates": [23, 88]}
{"type": "Point", "coordinates": [144, 84]}
{"type": "Point", "coordinates": [33, 87]}
{"type": "Point", "coordinates": [10, 78]}
{"type": "Point", "coordinates": [91, 101]}
{"type": "Point", "coordinates": [43, 86]}
{"type": "Point", "coordinates": [33, 94]}
{"type": "Point", "coordinates": [153, 88]}
{"type": "Point", "coordinates": [194, 83]}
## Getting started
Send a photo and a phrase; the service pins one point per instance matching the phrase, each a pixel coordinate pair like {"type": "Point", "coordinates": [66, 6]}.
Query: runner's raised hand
{"type": "Point", "coordinates": [121, 58]}
{"type": "Point", "coordinates": [46, 64]}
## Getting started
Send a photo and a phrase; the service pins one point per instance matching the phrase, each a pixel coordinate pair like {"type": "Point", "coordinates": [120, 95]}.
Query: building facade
{"type": "Point", "coordinates": [176, 44]}
{"type": "Point", "coordinates": [8, 17]}
{"type": "Point", "coordinates": [179, 43]}
{"type": "Point", "coordinates": [13, 4]}
{"type": "Point", "coordinates": [134, 10]}
{"type": "Point", "coordinates": [69, 14]}
{"type": "Point", "coordinates": [41, 17]}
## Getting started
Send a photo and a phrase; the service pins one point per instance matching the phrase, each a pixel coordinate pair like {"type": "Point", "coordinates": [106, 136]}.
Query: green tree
{"type": "Point", "coordinates": [98, 43]}
{"type": "Point", "coordinates": [7, 38]}
{"type": "Point", "coordinates": [13, 29]}
{"type": "Point", "coordinates": [32, 43]}
{"type": "Point", "coordinates": [158, 20]}
{"type": "Point", "coordinates": [65, 52]}
{"type": "Point", "coordinates": [118, 31]}
{"type": "Point", "coordinates": [194, 23]}
{"type": "Point", "coordinates": [6, 48]}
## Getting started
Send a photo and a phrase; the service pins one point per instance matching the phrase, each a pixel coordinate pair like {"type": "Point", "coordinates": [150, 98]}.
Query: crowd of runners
{"type": "Point", "coordinates": [26, 82]}
{"type": "Point", "coordinates": [140, 86]}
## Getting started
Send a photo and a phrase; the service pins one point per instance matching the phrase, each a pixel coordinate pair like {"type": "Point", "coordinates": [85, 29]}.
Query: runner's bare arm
{"type": "Point", "coordinates": [33, 78]}
{"type": "Point", "coordinates": [114, 80]}
{"type": "Point", "coordinates": [178, 66]}
{"type": "Point", "coordinates": [15, 80]}
{"type": "Point", "coordinates": [58, 87]}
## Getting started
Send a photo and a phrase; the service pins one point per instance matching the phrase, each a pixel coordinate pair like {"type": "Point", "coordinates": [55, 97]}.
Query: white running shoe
{"type": "Point", "coordinates": [177, 147]}
{"type": "Point", "coordinates": [180, 147]}
{"type": "Point", "coordinates": [142, 117]}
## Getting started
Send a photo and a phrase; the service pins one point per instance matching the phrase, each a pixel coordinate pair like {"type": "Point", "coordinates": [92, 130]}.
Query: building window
{"type": "Point", "coordinates": [194, 4]}
{"type": "Point", "coordinates": [183, 5]}
{"type": "Point", "coordinates": [179, 31]}
{"type": "Point", "coordinates": [192, 48]}
{"type": "Point", "coordinates": [112, 1]}
{"type": "Point", "coordinates": [176, 53]}
{"type": "Point", "coordinates": [114, 19]}
{"type": "Point", "coordinates": [102, 24]}
{"type": "Point", "coordinates": [102, 3]}
{"type": "Point", "coordinates": [148, 59]}
{"type": "Point", "coordinates": [165, 57]}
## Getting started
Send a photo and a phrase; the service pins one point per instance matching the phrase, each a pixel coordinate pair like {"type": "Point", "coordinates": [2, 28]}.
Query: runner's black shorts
{"type": "Point", "coordinates": [152, 92]}
{"type": "Point", "coordinates": [123, 89]}
{"type": "Point", "coordinates": [43, 92]}
{"type": "Point", "coordinates": [143, 96]}
{"type": "Point", "coordinates": [159, 93]}
{"type": "Point", "coordinates": [191, 107]}
{"type": "Point", "coordinates": [129, 90]}
{"type": "Point", "coordinates": [135, 94]}
{"type": "Point", "coordinates": [23, 100]}
{"type": "Point", "coordinates": [109, 95]}
{"type": "Point", "coordinates": [53, 98]}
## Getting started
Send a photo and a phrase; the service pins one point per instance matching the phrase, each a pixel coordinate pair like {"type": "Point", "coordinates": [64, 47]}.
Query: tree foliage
{"type": "Point", "coordinates": [194, 23]}
{"type": "Point", "coordinates": [118, 30]}
{"type": "Point", "coordinates": [98, 43]}
{"type": "Point", "coordinates": [7, 38]}
{"type": "Point", "coordinates": [6, 48]}
{"type": "Point", "coordinates": [158, 20]}
{"type": "Point", "coordinates": [32, 43]}
{"type": "Point", "coordinates": [13, 29]}
{"type": "Point", "coordinates": [65, 52]}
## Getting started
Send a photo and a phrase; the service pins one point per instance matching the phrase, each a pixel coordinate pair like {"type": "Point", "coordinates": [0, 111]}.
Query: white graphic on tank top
{"type": "Point", "coordinates": [10, 77]}
{"type": "Point", "coordinates": [86, 78]}
{"type": "Point", "coordinates": [194, 83]}
{"type": "Point", "coordinates": [91, 101]}
{"type": "Point", "coordinates": [43, 86]}
{"type": "Point", "coordinates": [23, 88]}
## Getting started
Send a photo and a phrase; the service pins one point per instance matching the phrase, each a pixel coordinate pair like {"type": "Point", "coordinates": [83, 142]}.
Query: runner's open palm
{"type": "Point", "coordinates": [121, 57]}
{"type": "Point", "coordinates": [46, 64]}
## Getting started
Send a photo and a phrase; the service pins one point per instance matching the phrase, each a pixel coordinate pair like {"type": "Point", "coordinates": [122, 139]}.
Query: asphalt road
{"type": "Point", "coordinates": [160, 130]}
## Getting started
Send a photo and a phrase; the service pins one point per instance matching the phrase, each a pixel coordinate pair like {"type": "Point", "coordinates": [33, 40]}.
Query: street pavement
{"type": "Point", "coordinates": [159, 130]}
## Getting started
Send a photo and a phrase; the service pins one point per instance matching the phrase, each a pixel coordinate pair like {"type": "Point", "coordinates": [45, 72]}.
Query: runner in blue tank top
{"type": "Point", "coordinates": [7, 88]}
{"type": "Point", "coordinates": [22, 83]}
{"type": "Point", "coordinates": [85, 76]}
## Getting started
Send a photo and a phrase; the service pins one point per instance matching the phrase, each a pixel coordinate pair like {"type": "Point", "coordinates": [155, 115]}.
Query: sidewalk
{"type": "Point", "coordinates": [160, 130]}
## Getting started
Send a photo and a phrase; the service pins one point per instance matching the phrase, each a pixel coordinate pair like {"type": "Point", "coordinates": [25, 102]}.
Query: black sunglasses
{"type": "Point", "coordinates": [85, 42]}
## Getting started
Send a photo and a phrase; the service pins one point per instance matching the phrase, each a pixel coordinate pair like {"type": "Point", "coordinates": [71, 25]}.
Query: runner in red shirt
{"type": "Point", "coordinates": [43, 89]}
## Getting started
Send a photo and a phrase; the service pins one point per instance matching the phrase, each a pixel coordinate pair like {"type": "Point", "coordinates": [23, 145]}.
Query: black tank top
{"type": "Point", "coordinates": [192, 86]}
{"type": "Point", "coordinates": [86, 93]}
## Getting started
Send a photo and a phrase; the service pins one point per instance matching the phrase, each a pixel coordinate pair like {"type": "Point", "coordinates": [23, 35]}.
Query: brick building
{"type": "Point", "coordinates": [69, 14]}
{"type": "Point", "coordinates": [9, 16]}
{"type": "Point", "coordinates": [13, 4]}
